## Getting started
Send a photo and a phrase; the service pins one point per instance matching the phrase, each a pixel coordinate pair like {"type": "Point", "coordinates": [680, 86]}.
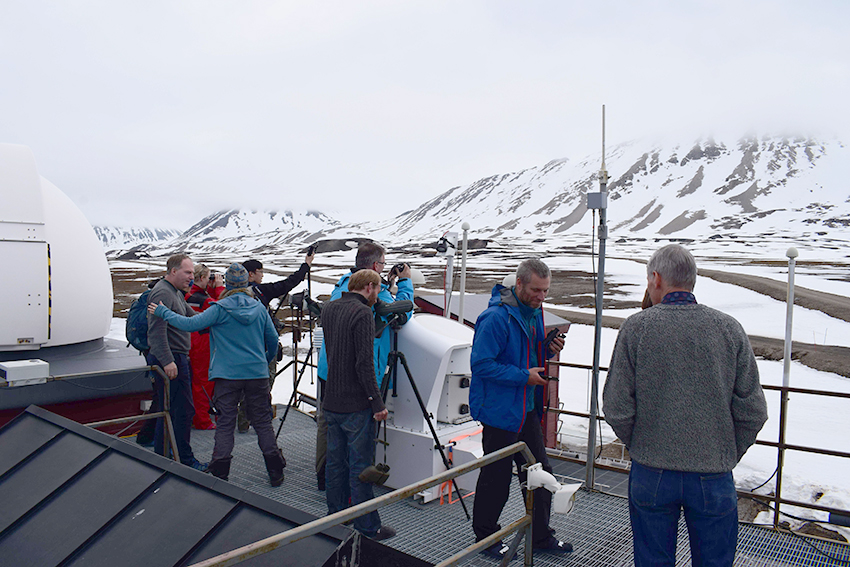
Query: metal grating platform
{"type": "Point", "coordinates": [598, 527]}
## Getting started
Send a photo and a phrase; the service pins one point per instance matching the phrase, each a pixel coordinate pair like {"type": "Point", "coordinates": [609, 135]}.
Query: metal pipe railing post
{"type": "Point", "coordinates": [465, 227]}
{"type": "Point", "coordinates": [597, 342]}
{"type": "Point", "coordinates": [786, 379]}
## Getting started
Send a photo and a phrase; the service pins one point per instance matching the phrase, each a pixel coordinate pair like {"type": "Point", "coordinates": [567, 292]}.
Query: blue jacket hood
{"type": "Point", "coordinates": [246, 310]}
{"type": "Point", "coordinates": [502, 295]}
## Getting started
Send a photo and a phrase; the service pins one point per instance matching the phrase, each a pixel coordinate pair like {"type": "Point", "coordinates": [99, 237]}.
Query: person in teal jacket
{"type": "Point", "coordinates": [506, 395]}
{"type": "Point", "coordinates": [370, 256]}
{"type": "Point", "coordinates": [243, 341]}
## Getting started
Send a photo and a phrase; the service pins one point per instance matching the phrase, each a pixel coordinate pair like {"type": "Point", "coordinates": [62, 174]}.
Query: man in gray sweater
{"type": "Point", "coordinates": [169, 349]}
{"type": "Point", "coordinates": [352, 402]}
{"type": "Point", "coordinates": [683, 395]}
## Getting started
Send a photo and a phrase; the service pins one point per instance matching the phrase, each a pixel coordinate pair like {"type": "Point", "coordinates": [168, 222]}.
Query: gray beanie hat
{"type": "Point", "coordinates": [236, 276]}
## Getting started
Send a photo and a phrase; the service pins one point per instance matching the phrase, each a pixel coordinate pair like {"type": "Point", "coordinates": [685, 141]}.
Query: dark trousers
{"type": "Point", "coordinates": [182, 407]}
{"type": "Point", "coordinates": [255, 396]}
{"type": "Point", "coordinates": [242, 418]}
{"type": "Point", "coordinates": [494, 481]}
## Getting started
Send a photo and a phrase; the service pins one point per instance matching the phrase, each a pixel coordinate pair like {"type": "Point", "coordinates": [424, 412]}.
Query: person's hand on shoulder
{"type": "Point", "coordinates": [152, 307]}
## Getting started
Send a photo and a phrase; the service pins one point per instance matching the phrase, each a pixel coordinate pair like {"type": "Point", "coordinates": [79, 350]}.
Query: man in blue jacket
{"type": "Point", "coordinates": [506, 396]}
{"type": "Point", "coordinates": [243, 341]}
{"type": "Point", "coordinates": [370, 256]}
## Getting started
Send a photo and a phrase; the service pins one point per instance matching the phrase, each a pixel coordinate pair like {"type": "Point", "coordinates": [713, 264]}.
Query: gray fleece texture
{"type": "Point", "coordinates": [164, 339]}
{"type": "Point", "coordinates": [683, 389]}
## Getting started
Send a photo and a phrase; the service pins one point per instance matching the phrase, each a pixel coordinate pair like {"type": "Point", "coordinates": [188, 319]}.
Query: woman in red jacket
{"type": "Point", "coordinates": [204, 292]}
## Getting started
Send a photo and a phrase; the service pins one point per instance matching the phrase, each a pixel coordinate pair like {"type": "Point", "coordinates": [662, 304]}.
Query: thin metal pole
{"type": "Point", "coordinates": [597, 342]}
{"type": "Point", "coordinates": [786, 378]}
{"type": "Point", "coordinates": [465, 227]}
{"type": "Point", "coordinates": [448, 291]}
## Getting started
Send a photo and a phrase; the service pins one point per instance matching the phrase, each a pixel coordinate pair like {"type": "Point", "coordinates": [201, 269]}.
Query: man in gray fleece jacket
{"type": "Point", "coordinates": [169, 349]}
{"type": "Point", "coordinates": [683, 394]}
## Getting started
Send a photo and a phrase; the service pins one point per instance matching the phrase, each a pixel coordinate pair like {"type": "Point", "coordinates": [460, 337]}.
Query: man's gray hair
{"type": "Point", "coordinates": [532, 266]}
{"type": "Point", "coordinates": [367, 254]}
{"type": "Point", "coordinates": [675, 265]}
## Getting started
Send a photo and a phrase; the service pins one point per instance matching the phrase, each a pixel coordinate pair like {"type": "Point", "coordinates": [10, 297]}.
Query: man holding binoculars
{"type": "Point", "coordinates": [370, 256]}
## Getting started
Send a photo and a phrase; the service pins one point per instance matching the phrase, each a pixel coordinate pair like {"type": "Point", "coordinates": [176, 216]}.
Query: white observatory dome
{"type": "Point", "coordinates": [56, 285]}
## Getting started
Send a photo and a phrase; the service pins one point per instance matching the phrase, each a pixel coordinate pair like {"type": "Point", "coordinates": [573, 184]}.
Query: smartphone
{"type": "Point", "coordinates": [551, 337]}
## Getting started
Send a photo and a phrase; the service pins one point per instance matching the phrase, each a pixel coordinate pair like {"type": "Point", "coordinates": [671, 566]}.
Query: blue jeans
{"type": "Point", "coordinates": [182, 407]}
{"type": "Point", "coordinates": [710, 503]}
{"type": "Point", "coordinates": [351, 448]}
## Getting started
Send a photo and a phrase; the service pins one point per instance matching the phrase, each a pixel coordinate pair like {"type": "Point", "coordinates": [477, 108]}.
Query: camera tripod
{"type": "Point", "coordinates": [392, 362]}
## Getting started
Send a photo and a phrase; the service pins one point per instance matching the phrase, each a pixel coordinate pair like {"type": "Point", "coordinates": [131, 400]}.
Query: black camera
{"type": "Point", "coordinates": [397, 269]}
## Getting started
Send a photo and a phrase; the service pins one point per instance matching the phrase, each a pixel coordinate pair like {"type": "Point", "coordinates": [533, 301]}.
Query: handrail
{"type": "Point", "coordinates": [165, 413]}
{"type": "Point", "coordinates": [781, 445]}
{"type": "Point", "coordinates": [316, 526]}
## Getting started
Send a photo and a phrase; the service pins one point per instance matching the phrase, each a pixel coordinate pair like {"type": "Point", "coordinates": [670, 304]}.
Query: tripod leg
{"type": "Point", "coordinates": [294, 393]}
{"type": "Point", "coordinates": [427, 416]}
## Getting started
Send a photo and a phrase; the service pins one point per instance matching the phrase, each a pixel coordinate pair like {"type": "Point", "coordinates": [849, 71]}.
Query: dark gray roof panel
{"type": "Point", "coordinates": [29, 484]}
{"type": "Point", "coordinates": [72, 495]}
{"type": "Point", "coordinates": [20, 441]}
{"type": "Point", "coordinates": [249, 525]}
{"type": "Point", "coordinates": [166, 522]}
{"type": "Point", "coordinates": [78, 511]}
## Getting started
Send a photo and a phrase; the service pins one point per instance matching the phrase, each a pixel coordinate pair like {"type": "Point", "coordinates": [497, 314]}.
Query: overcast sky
{"type": "Point", "coordinates": [157, 113]}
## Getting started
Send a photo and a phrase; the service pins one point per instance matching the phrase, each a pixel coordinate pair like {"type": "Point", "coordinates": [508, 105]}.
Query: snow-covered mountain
{"type": "Point", "coordinates": [114, 237]}
{"type": "Point", "coordinates": [754, 188]}
{"type": "Point", "coordinates": [707, 189]}
{"type": "Point", "coordinates": [252, 231]}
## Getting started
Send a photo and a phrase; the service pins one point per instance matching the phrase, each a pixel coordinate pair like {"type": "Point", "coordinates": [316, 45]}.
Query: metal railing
{"type": "Point", "coordinates": [171, 440]}
{"type": "Point", "coordinates": [781, 446]}
{"type": "Point", "coordinates": [521, 527]}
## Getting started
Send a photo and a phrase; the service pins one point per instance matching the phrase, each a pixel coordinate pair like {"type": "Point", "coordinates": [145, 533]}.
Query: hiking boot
{"type": "Point", "coordinates": [497, 551]}
{"type": "Point", "coordinates": [384, 532]}
{"type": "Point", "coordinates": [220, 468]}
{"type": "Point", "coordinates": [243, 427]}
{"type": "Point", "coordinates": [274, 465]}
{"type": "Point", "coordinates": [552, 545]}
{"type": "Point", "coordinates": [197, 465]}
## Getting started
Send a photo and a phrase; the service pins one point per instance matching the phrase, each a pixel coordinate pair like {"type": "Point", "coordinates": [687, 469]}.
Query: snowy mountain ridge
{"type": "Point", "coordinates": [113, 237]}
{"type": "Point", "coordinates": [757, 188]}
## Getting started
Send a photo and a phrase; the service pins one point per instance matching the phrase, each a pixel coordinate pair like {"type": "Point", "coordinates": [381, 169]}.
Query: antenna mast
{"type": "Point", "coordinates": [597, 201]}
